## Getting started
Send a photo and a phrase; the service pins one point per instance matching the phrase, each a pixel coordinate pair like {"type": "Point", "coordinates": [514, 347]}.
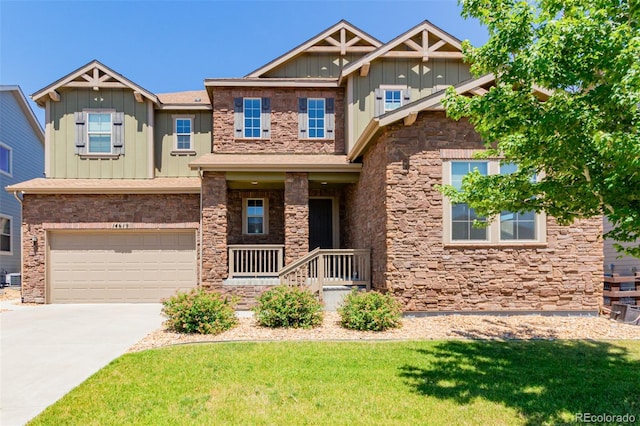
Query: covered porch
{"type": "Point", "coordinates": [271, 219]}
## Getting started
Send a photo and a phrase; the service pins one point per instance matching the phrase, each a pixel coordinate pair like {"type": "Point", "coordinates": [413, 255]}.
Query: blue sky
{"type": "Point", "coordinates": [167, 46]}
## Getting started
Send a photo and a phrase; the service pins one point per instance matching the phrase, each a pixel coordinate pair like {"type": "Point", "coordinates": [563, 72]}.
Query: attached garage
{"type": "Point", "coordinates": [120, 266]}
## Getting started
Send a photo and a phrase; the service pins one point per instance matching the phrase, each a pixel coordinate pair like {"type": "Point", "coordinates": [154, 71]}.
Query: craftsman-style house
{"type": "Point", "coordinates": [318, 168]}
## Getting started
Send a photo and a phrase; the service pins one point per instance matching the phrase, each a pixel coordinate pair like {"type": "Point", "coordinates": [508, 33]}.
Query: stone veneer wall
{"type": "Point", "coordinates": [565, 273]}
{"type": "Point", "coordinates": [41, 213]}
{"type": "Point", "coordinates": [275, 217]}
{"type": "Point", "coordinates": [284, 122]}
{"type": "Point", "coordinates": [296, 216]}
{"type": "Point", "coordinates": [366, 213]}
{"type": "Point", "coordinates": [214, 229]}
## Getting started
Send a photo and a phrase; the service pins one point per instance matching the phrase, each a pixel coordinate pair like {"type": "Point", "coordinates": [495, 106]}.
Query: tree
{"type": "Point", "coordinates": [582, 142]}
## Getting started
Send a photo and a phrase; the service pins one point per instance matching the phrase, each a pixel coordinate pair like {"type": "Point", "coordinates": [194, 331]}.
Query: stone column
{"type": "Point", "coordinates": [214, 229]}
{"type": "Point", "coordinates": [296, 216]}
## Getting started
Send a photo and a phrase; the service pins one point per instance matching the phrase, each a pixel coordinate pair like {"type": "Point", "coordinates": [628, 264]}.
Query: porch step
{"type": "Point", "coordinates": [333, 295]}
{"type": "Point", "coordinates": [250, 281]}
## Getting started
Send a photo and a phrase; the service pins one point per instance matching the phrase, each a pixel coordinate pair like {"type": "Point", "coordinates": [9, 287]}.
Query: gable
{"type": "Point", "coordinates": [424, 41]}
{"type": "Point", "coordinates": [95, 76]}
{"type": "Point", "coordinates": [332, 49]}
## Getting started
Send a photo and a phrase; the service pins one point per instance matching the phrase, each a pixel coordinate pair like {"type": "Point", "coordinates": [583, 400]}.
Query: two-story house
{"type": "Point", "coordinates": [318, 168]}
{"type": "Point", "coordinates": [21, 158]}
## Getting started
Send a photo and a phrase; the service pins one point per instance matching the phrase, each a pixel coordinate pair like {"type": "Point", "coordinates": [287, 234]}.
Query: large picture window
{"type": "Point", "coordinates": [508, 228]}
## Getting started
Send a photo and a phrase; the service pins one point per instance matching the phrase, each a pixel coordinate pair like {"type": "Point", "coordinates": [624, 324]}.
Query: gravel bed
{"type": "Point", "coordinates": [424, 328]}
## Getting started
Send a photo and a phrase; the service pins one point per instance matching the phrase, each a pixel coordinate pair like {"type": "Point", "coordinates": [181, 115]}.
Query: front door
{"type": "Point", "coordinates": [320, 223]}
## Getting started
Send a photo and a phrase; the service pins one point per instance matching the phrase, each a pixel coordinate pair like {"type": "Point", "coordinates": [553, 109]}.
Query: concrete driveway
{"type": "Point", "coordinates": [48, 350]}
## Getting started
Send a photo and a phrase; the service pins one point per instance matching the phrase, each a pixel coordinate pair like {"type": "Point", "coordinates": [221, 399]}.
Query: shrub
{"type": "Point", "coordinates": [199, 311]}
{"type": "Point", "coordinates": [286, 306]}
{"type": "Point", "coordinates": [370, 310]}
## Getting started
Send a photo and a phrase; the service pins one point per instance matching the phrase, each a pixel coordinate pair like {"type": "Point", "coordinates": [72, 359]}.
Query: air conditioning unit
{"type": "Point", "coordinates": [13, 280]}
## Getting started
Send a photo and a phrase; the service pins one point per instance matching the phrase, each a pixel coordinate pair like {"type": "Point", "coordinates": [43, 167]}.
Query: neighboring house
{"type": "Point", "coordinates": [622, 264]}
{"type": "Point", "coordinates": [321, 166]}
{"type": "Point", "coordinates": [21, 158]}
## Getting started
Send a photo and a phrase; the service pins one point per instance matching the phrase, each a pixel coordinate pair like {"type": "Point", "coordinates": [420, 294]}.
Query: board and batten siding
{"type": "Point", "coordinates": [177, 165]}
{"type": "Point", "coordinates": [623, 264]}
{"type": "Point", "coordinates": [27, 162]}
{"type": "Point", "coordinates": [64, 161]}
{"type": "Point", "coordinates": [313, 66]}
{"type": "Point", "coordinates": [424, 78]}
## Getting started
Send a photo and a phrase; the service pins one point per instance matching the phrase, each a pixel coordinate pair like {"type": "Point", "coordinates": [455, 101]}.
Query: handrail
{"type": "Point", "coordinates": [307, 257]}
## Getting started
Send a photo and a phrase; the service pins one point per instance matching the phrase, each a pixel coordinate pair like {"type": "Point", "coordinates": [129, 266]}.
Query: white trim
{"type": "Point", "coordinates": [47, 138]}
{"type": "Point", "coordinates": [265, 215]}
{"type": "Point", "coordinates": [10, 252]}
{"type": "Point", "coordinates": [151, 167]}
{"type": "Point", "coordinates": [191, 119]}
{"type": "Point", "coordinates": [10, 150]}
{"type": "Point", "coordinates": [493, 230]}
{"type": "Point", "coordinates": [89, 111]}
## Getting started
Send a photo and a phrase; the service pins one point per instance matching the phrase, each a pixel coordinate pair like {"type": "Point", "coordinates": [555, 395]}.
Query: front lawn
{"type": "Point", "coordinates": [346, 383]}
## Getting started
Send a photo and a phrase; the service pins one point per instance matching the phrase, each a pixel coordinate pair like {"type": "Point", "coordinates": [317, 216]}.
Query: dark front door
{"type": "Point", "coordinates": [320, 223]}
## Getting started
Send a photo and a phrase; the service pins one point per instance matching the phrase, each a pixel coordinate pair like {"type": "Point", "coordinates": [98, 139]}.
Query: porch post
{"type": "Point", "coordinates": [296, 216]}
{"type": "Point", "coordinates": [214, 229]}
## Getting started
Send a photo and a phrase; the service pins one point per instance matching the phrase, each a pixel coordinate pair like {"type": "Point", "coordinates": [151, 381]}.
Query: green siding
{"type": "Point", "coordinates": [168, 165]}
{"type": "Point", "coordinates": [313, 65]}
{"type": "Point", "coordinates": [66, 164]}
{"type": "Point", "coordinates": [423, 77]}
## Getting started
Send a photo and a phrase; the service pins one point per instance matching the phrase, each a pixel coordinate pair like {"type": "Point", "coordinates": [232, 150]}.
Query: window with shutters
{"type": "Point", "coordinates": [316, 118]}
{"type": "Point", "coordinates": [509, 228]}
{"type": "Point", "coordinates": [183, 132]}
{"type": "Point", "coordinates": [252, 118]}
{"type": "Point", "coordinates": [390, 97]}
{"type": "Point", "coordinates": [99, 133]}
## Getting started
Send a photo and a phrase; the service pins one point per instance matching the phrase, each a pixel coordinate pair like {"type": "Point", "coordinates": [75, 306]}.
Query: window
{"type": "Point", "coordinates": [392, 99]}
{"type": "Point", "coordinates": [389, 97]}
{"type": "Point", "coordinates": [99, 133]}
{"type": "Point", "coordinates": [462, 216]}
{"type": "Point", "coordinates": [5, 234]}
{"type": "Point", "coordinates": [516, 226]}
{"type": "Point", "coordinates": [5, 159]}
{"type": "Point", "coordinates": [316, 116]}
{"type": "Point", "coordinates": [183, 130]}
{"type": "Point", "coordinates": [252, 125]}
{"type": "Point", "coordinates": [255, 216]}
{"type": "Point", "coordinates": [508, 228]}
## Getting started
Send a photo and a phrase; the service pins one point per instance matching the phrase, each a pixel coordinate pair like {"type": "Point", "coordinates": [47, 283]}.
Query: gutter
{"type": "Point", "coordinates": [200, 244]}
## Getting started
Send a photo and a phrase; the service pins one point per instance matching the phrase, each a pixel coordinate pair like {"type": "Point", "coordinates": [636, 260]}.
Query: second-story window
{"type": "Point", "coordinates": [316, 116]}
{"type": "Point", "coordinates": [252, 125]}
{"type": "Point", "coordinates": [252, 118]}
{"type": "Point", "coordinates": [183, 130]}
{"type": "Point", "coordinates": [99, 133]}
{"type": "Point", "coordinates": [5, 159]}
{"type": "Point", "coordinates": [392, 99]}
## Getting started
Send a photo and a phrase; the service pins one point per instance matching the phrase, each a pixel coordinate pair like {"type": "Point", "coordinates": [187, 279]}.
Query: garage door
{"type": "Point", "coordinates": [120, 266]}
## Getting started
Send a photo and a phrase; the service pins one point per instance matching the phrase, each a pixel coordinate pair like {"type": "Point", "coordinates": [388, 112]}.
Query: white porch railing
{"type": "Point", "coordinates": [255, 260]}
{"type": "Point", "coordinates": [324, 267]}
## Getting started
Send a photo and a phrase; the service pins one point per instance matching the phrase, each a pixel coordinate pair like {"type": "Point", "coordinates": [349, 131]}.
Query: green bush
{"type": "Point", "coordinates": [370, 310]}
{"type": "Point", "coordinates": [286, 306]}
{"type": "Point", "coordinates": [199, 311]}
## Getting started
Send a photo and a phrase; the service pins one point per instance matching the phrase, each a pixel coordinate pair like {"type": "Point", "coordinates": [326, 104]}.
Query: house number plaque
{"type": "Point", "coordinates": [120, 225]}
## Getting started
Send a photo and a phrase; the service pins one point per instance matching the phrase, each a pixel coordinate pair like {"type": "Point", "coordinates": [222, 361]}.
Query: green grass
{"type": "Point", "coordinates": [348, 383]}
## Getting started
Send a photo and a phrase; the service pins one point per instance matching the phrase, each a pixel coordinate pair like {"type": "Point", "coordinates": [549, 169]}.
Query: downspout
{"type": "Point", "coordinates": [201, 175]}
